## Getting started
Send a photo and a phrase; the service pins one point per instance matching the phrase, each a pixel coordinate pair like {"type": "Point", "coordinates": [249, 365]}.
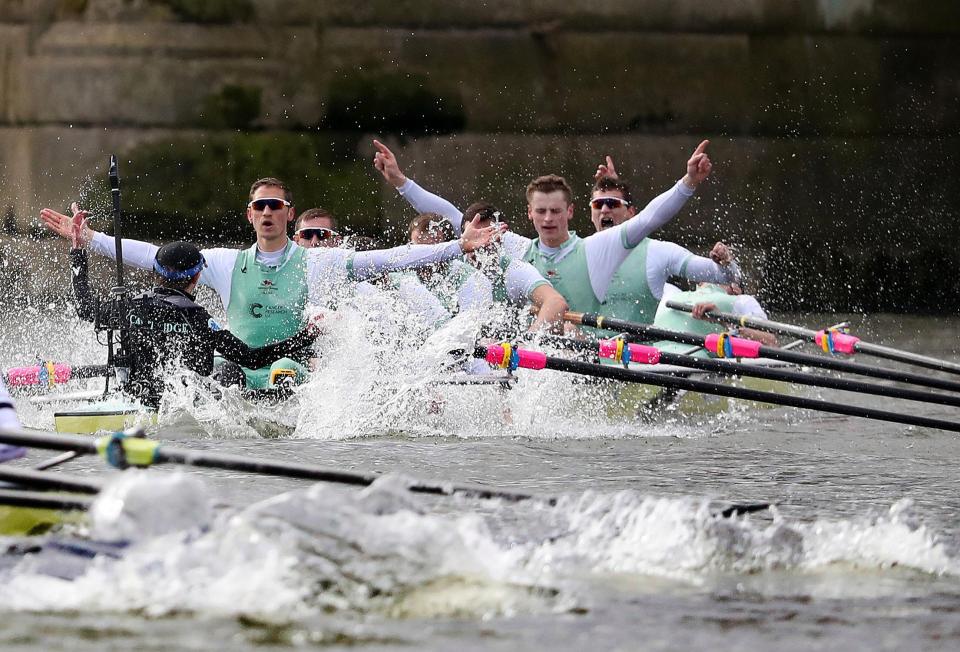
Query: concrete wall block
{"type": "Point", "coordinates": [749, 16]}
{"type": "Point", "coordinates": [13, 46]}
{"type": "Point", "coordinates": [817, 85]}
{"type": "Point", "coordinates": [177, 40]}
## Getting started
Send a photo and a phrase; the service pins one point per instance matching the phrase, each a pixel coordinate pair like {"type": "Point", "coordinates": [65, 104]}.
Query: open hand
{"type": "Point", "coordinates": [78, 226]}
{"type": "Point", "coordinates": [73, 228]}
{"type": "Point", "coordinates": [474, 236]}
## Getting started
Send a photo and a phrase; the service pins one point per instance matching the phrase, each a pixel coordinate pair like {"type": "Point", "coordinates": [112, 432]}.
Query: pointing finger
{"type": "Point", "coordinates": [701, 147]}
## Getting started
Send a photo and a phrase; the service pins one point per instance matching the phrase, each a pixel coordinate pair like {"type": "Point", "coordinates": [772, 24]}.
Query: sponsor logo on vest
{"type": "Point", "coordinates": [267, 286]}
{"type": "Point", "coordinates": [256, 310]}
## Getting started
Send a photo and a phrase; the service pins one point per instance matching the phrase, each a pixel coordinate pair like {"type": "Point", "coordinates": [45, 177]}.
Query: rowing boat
{"type": "Point", "coordinates": [30, 521]}
{"type": "Point", "coordinates": [651, 402]}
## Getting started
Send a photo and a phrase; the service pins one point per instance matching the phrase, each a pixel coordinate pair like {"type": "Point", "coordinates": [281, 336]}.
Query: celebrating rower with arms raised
{"type": "Point", "coordinates": [165, 325]}
{"type": "Point", "coordinates": [265, 288]}
{"type": "Point", "coordinates": [581, 269]}
{"type": "Point", "coordinates": [644, 274]}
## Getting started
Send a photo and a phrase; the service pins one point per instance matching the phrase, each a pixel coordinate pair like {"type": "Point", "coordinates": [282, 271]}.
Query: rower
{"type": "Point", "coordinates": [581, 269]}
{"type": "Point", "coordinates": [165, 326]}
{"type": "Point", "coordinates": [266, 288]}
{"type": "Point", "coordinates": [505, 284]}
{"type": "Point", "coordinates": [642, 277]}
{"type": "Point", "coordinates": [445, 279]}
{"type": "Point", "coordinates": [705, 298]}
{"type": "Point", "coordinates": [316, 227]}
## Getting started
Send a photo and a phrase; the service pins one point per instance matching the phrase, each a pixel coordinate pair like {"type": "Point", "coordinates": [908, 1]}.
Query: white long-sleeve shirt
{"type": "Point", "coordinates": [606, 250]}
{"type": "Point", "coordinates": [520, 279]}
{"type": "Point", "coordinates": [326, 268]}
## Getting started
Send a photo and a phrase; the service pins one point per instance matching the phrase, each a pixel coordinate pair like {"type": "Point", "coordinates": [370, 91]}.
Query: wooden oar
{"type": "Point", "coordinates": [143, 452]}
{"type": "Point", "coordinates": [647, 354]}
{"type": "Point", "coordinates": [818, 337]}
{"type": "Point", "coordinates": [747, 348]}
{"type": "Point", "coordinates": [499, 355]}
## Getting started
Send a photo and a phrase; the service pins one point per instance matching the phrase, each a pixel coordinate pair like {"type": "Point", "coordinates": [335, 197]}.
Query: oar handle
{"type": "Point", "coordinates": [746, 321]}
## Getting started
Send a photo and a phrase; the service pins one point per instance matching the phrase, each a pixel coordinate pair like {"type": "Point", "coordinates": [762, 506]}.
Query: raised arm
{"type": "Point", "coordinates": [422, 201]}
{"type": "Point", "coordinates": [135, 253]}
{"type": "Point", "coordinates": [364, 264]}
{"type": "Point", "coordinates": [663, 207]}
{"type": "Point", "coordinates": [606, 250]}
{"type": "Point", "coordinates": [720, 267]}
{"type": "Point", "coordinates": [607, 170]}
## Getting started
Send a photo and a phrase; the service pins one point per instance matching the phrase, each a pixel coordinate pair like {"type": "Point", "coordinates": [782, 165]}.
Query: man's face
{"type": "Point", "coordinates": [269, 219]}
{"type": "Point", "coordinates": [606, 211]}
{"type": "Point", "coordinates": [550, 213]}
{"type": "Point", "coordinates": [317, 232]}
{"type": "Point", "coordinates": [426, 237]}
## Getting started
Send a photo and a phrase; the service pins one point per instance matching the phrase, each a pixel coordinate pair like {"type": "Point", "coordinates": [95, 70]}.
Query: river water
{"type": "Point", "coordinates": [862, 550]}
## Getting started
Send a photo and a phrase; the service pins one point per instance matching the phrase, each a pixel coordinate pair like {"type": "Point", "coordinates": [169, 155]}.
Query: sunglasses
{"type": "Point", "coordinates": [609, 202]}
{"type": "Point", "coordinates": [273, 203]}
{"type": "Point", "coordinates": [318, 232]}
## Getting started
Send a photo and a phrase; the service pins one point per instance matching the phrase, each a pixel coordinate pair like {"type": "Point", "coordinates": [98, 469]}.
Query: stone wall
{"type": "Point", "coordinates": [834, 123]}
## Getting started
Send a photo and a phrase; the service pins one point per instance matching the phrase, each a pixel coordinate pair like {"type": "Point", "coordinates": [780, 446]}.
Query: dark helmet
{"type": "Point", "coordinates": [176, 261]}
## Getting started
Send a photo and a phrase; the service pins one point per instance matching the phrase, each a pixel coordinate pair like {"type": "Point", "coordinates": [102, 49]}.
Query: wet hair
{"type": "Point", "coordinates": [484, 209]}
{"type": "Point", "coordinates": [272, 181]}
{"type": "Point", "coordinates": [432, 223]}
{"type": "Point", "coordinates": [604, 184]}
{"type": "Point", "coordinates": [550, 183]}
{"type": "Point", "coordinates": [314, 214]}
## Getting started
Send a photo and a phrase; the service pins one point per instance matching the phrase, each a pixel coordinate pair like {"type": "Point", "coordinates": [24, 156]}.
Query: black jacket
{"type": "Point", "coordinates": [163, 326]}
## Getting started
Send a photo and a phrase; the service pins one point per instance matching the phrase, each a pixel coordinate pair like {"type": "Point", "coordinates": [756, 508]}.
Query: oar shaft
{"type": "Point", "coordinates": [876, 350]}
{"type": "Point", "coordinates": [729, 367]}
{"type": "Point", "coordinates": [39, 500]}
{"type": "Point", "coordinates": [256, 465]}
{"type": "Point", "coordinates": [704, 387]}
{"type": "Point", "coordinates": [888, 353]}
{"type": "Point", "coordinates": [49, 481]}
{"type": "Point", "coordinates": [774, 353]}
{"type": "Point", "coordinates": [842, 384]}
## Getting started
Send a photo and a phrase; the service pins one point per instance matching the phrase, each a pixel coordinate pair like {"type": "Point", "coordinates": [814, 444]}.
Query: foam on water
{"type": "Point", "coordinates": [682, 539]}
{"type": "Point", "coordinates": [377, 551]}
